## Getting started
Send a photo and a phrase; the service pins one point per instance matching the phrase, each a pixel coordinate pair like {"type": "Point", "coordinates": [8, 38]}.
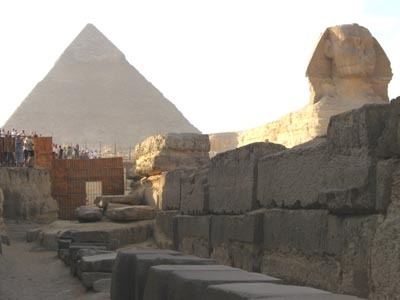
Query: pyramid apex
{"type": "Point", "coordinates": [91, 46]}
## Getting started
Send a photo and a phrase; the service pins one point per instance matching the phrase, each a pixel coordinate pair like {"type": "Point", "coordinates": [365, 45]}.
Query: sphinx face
{"type": "Point", "coordinates": [351, 47]}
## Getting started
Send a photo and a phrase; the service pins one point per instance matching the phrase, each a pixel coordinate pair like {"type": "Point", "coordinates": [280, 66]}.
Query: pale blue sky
{"type": "Point", "coordinates": [227, 65]}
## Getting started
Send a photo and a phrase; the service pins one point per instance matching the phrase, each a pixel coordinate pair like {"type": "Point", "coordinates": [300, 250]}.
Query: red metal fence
{"type": "Point", "coordinates": [70, 178]}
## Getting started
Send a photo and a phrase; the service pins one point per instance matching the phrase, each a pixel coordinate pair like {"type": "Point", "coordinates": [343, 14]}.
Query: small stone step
{"type": "Point", "coordinates": [131, 213]}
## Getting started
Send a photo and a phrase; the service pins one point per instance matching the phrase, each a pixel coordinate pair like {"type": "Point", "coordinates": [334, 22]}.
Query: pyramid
{"type": "Point", "coordinates": [93, 95]}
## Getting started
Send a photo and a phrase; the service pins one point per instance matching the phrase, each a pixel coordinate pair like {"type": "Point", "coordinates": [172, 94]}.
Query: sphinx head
{"type": "Point", "coordinates": [351, 49]}
{"type": "Point", "coordinates": [347, 52]}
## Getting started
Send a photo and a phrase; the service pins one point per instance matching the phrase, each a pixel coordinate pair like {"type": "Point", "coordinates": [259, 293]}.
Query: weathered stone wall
{"type": "Point", "coordinates": [27, 194]}
{"type": "Point", "coordinates": [323, 214]}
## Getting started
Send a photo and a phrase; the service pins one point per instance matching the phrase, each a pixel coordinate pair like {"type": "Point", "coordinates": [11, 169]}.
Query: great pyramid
{"type": "Point", "coordinates": [93, 95]}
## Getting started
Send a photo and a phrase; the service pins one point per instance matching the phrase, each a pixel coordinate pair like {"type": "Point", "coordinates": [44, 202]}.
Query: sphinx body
{"type": "Point", "coordinates": [347, 70]}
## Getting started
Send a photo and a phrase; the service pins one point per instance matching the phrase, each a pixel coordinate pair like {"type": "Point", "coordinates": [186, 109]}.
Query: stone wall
{"type": "Point", "coordinates": [27, 194]}
{"type": "Point", "coordinates": [322, 214]}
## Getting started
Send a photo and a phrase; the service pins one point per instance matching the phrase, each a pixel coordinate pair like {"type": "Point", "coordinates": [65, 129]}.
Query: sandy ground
{"type": "Point", "coordinates": [30, 273]}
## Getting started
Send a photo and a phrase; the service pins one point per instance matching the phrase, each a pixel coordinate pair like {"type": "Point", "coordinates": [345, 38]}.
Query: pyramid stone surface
{"type": "Point", "coordinates": [93, 95]}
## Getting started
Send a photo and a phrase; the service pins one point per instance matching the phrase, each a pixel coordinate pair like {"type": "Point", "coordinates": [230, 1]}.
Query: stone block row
{"type": "Point", "coordinates": [331, 249]}
{"type": "Point", "coordinates": [163, 274]}
{"type": "Point", "coordinates": [347, 172]}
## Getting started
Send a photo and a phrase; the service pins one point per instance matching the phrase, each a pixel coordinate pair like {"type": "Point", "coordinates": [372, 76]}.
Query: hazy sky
{"type": "Point", "coordinates": [227, 65]}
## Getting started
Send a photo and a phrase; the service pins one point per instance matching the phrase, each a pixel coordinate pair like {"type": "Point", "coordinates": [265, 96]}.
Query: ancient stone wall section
{"type": "Point", "coordinates": [27, 194]}
{"type": "Point", "coordinates": [321, 214]}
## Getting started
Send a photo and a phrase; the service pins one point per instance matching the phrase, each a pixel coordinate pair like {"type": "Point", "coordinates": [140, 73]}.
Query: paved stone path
{"type": "Point", "coordinates": [29, 273]}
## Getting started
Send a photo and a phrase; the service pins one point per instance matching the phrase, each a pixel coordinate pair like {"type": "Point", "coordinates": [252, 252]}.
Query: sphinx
{"type": "Point", "coordinates": [347, 69]}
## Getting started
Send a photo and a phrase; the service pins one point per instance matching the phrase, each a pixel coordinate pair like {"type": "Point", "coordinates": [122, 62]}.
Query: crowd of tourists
{"type": "Point", "coordinates": [17, 148]}
{"type": "Point", "coordinates": [73, 152]}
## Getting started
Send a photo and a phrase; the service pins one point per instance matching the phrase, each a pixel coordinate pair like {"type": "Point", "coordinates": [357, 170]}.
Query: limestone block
{"type": "Point", "coordinates": [131, 199]}
{"type": "Point", "coordinates": [145, 261]}
{"type": "Point", "coordinates": [158, 277]}
{"type": "Point", "coordinates": [123, 274]}
{"type": "Point", "coordinates": [358, 130]}
{"type": "Point", "coordinates": [305, 230]}
{"type": "Point", "coordinates": [88, 213]}
{"type": "Point", "coordinates": [385, 265]}
{"type": "Point", "coordinates": [246, 291]}
{"type": "Point", "coordinates": [27, 194]}
{"type": "Point", "coordinates": [192, 284]}
{"type": "Point", "coordinates": [131, 213]}
{"type": "Point", "coordinates": [192, 234]}
{"type": "Point", "coordinates": [75, 268]}
{"type": "Point", "coordinates": [102, 286]}
{"type": "Point", "coordinates": [221, 142]}
{"type": "Point", "coordinates": [164, 191]}
{"type": "Point", "coordinates": [88, 278]}
{"type": "Point", "coordinates": [167, 152]}
{"type": "Point", "coordinates": [233, 178]}
{"type": "Point", "coordinates": [172, 188]}
{"type": "Point", "coordinates": [389, 142]}
{"type": "Point", "coordinates": [164, 229]}
{"type": "Point", "coordinates": [237, 240]}
{"type": "Point", "coordinates": [313, 247]}
{"type": "Point", "coordinates": [309, 176]}
{"type": "Point", "coordinates": [73, 257]}
{"type": "Point", "coordinates": [195, 193]}
{"type": "Point", "coordinates": [97, 263]}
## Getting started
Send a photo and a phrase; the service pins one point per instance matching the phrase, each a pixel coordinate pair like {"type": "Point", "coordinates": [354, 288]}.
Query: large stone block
{"type": "Point", "coordinates": [158, 278]}
{"type": "Point", "coordinates": [27, 194]}
{"type": "Point", "coordinates": [164, 191]}
{"type": "Point", "coordinates": [233, 178]}
{"type": "Point", "coordinates": [123, 275]}
{"type": "Point", "coordinates": [172, 188]}
{"type": "Point", "coordinates": [237, 240]}
{"type": "Point", "coordinates": [385, 263]}
{"type": "Point", "coordinates": [192, 284]}
{"type": "Point", "coordinates": [358, 130]}
{"type": "Point", "coordinates": [303, 230]}
{"type": "Point", "coordinates": [131, 213]}
{"type": "Point", "coordinates": [145, 261]}
{"type": "Point", "coordinates": [167, 152]}
{"type": "Point", "coordinates": [164, 229]}
{"type": "Point", "coordinates": [309, 176]}
{"type": "Point", "coordinates": [97, 263]}
{"type": "Point", "coordinates": [247, 291]}
{"type": "Point", "coordinates": [192, 235]}
{"type": "Point", "coordinates": [315, 248]}
{"type": "Point", "coordinates": [195, 193]}
{"type": "Point", "coordinates": [88, 213]}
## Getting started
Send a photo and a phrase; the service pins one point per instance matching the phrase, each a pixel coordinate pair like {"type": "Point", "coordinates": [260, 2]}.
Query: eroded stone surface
{"type": "Point", "coordinates": [233, 177]}
{"type": "Point", "coordinates": [168, 152]}
{"type": "Point", "coordinates": [131, 213]}
{"type": "Point", "coordinates": [88, 213]}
